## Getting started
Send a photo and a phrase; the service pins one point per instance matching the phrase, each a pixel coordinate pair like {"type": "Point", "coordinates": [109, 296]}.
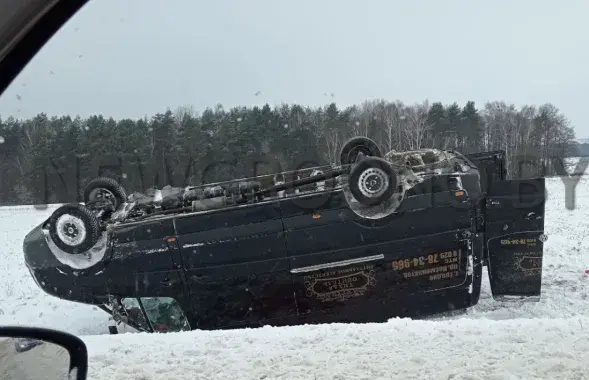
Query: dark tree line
{"type": "Point", "coordinates": [49, 159]}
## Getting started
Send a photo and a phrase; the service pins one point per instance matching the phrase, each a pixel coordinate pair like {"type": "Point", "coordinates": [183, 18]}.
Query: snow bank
{"type": "Point", "coordinates": [400, 349]}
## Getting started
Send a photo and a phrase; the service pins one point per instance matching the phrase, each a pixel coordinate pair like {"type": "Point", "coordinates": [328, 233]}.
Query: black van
{"type": "Point", "coordinates": [250, 253]}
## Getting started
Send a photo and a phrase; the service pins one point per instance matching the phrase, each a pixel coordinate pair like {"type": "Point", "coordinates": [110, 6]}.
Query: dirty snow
{"type": "Point", "coordinates": [493, 341]}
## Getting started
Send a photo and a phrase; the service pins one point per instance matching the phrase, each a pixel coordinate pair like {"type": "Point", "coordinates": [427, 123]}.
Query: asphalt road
{"type": "Point", "coordinates": [44, 362]}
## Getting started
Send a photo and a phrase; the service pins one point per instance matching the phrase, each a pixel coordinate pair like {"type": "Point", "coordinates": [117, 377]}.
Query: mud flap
{"type": "Point", "coordinates": [514, 231]}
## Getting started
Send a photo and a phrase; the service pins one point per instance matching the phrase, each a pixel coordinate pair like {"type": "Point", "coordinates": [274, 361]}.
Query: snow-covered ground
{"type": "Point", "coordinates": [544, 340]}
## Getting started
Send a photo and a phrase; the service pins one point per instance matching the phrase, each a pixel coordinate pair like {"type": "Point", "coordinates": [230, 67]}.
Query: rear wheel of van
{"type": "Point", "coordinates": [73, 228]}
{"type": "Point", "coordinates": [358, 146]}
{"type": "Point", "coordinates": [372, 181]}
{"type": "Point", "coordinates": [105, 189]}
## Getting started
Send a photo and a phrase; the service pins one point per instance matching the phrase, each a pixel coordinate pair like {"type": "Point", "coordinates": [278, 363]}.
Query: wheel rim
{"type": "Point", "coordinates": [373, 182]}
{"type": "Point", "coordinates": [101, 193]}
{"type": "Point", "coordinates": [71, 230]}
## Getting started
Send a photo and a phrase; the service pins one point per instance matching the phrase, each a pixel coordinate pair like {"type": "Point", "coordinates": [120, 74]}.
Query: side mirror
{"type": "Point", "coordinates": [44, 354]}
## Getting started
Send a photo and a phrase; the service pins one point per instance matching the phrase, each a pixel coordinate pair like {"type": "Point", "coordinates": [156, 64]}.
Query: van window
{"type": "Point", "coordinates": [165, 314]}
{"type": "Point", "coordinates": [133, 310]}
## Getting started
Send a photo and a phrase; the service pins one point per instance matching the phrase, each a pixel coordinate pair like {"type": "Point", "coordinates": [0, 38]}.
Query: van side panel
{"type": "Point", "coordinates": [341, 263]}
{"type": "Point", "coordinates": [236, 266]}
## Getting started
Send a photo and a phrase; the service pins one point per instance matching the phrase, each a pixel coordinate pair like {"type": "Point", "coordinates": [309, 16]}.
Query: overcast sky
{"type": "Point", "coordinates": [136, 57]}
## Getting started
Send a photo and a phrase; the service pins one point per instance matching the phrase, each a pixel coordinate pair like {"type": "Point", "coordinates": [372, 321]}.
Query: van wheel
{"type": "Point", "coordinates": [356, 145]}
{"type": "Point", "coordinates": [103, 188]}
{"type": "Point", "coordinates": [73, 228]}
{"type": "Point", "coordinates": [372, 181]}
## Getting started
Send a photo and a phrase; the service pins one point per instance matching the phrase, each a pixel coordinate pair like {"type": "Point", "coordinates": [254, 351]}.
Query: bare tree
{"type": "Point", "coordinates": [361, 117]}
{"type": "Point", "coordinates": [332, 142]}
{"type": "Point", "coordinates": [387, 118]}
{"type": "Point", "coordinates": [415, 125]}
{"type": "Point", "coordinates": [183, 111]}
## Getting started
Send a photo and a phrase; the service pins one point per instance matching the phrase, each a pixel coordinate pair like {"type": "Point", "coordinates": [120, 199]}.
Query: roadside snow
{"type": "Point", "coordinates": [400, 349]}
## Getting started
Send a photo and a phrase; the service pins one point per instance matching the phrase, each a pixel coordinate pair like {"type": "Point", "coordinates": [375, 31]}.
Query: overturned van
{"type": "Point", "coordinates": [379, 236]}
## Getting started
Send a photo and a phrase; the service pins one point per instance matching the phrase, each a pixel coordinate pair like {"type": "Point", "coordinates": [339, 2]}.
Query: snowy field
{"type": "Point", "coordinates": [494, 341]}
